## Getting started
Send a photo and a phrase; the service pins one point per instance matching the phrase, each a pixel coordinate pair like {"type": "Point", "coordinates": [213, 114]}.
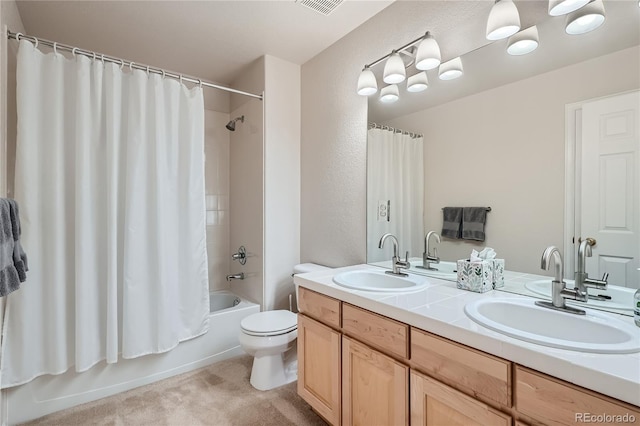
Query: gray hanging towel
{"type": "Point", "coordinates": [473, 221]}
{"type": "Point", "coordinates": [13, 260]}
{"type": "Point", "coordinates": [451, 222]}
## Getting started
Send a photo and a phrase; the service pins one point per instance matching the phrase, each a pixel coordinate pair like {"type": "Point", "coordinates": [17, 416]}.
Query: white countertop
{"type": "Point", "coordinates": [439, 309]}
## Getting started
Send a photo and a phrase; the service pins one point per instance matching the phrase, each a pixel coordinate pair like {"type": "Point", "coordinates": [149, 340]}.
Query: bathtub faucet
{"type": "Point", "coordinates": [239, 276]}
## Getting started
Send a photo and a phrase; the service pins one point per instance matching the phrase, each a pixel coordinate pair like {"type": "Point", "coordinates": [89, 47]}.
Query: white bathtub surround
{"type": "Point", "coordinates": [47, 394]}
{"type": "Point", "coordinates": [110, 180]}
{"type": "Point", "coordinates": [439, 309]}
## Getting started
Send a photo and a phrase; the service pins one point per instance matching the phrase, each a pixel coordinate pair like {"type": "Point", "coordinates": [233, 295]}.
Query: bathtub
{"type": "Point", "coordinates": [47, 394]}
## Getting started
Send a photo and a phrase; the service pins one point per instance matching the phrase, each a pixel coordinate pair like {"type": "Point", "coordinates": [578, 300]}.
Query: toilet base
{"type": "Point", "coordinates": [272, 371]}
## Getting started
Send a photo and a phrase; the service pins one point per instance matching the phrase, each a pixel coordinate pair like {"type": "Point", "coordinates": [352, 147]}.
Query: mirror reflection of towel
{"type": "Point", "coordinates": [451, 222]}
{"type": "Point", "coordinates": [473, 221]}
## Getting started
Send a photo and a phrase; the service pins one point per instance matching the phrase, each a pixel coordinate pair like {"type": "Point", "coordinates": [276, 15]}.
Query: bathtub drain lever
{"type": "Point", "coordinates": [239, 276]}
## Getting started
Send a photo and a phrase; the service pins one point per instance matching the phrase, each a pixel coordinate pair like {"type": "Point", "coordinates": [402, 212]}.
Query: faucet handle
{"type": "Point", "coordinates": [605, 276]}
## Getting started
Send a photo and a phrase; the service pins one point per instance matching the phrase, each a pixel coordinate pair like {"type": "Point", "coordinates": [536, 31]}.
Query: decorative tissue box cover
{"type": "Point", "coordinates": [475, 276]}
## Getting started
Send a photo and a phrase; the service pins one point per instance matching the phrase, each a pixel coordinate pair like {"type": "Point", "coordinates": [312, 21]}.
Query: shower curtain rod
{"type": "Point", "coordinates": [394, 130]}
{"type": "Point", "coordinates": [99, 56]}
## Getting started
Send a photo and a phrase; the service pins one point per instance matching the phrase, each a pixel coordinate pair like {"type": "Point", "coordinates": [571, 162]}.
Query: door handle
{"type": "Point", "coordinates": [591, 241]}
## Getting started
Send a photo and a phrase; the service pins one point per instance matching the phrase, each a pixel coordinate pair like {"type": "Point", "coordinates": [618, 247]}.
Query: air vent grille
{"type": "Point", "coordinates": [321, 6]}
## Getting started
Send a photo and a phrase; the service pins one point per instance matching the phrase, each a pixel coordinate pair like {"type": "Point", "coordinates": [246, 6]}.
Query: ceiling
{"type": "Point", "coordinates": [211, 39]}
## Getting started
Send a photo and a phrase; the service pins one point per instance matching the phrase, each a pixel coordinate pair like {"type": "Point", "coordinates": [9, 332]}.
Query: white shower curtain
{"type": "Point", "coordinates": [395, 173]}
{"type": "Point", "coordinates": [110, 182]}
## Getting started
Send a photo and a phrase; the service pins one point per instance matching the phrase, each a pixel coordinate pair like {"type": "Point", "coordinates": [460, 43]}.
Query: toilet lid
{"type": "Point", "coordinates": [270, 322]}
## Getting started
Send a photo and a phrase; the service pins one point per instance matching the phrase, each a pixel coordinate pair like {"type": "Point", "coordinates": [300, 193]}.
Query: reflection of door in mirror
{"type": "Point", "coordinates": [394, 194]}
{"type": "Point", "coordinates": [608, 208]}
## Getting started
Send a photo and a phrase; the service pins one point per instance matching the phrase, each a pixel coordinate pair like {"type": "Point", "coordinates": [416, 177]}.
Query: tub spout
{"type": "Point", "coordinates": [239, 276]}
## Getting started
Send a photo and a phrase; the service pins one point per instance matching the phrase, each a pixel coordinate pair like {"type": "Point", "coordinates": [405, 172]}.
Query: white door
{"type": "Point", "coordinates": [610, 193]}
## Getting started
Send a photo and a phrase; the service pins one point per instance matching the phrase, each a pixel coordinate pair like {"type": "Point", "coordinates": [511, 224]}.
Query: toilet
{"type": "Point", "coordinates": [270, 337]}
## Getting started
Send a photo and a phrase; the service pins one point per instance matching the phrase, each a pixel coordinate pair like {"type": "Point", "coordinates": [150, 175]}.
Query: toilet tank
{"type": "Point", "coordinates": [308, 267]}
{"type": "Point", "coordinates": [304, 268]}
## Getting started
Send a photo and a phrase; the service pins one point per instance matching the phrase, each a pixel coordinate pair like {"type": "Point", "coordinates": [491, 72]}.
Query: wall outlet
{"type": "Point", "coordinates": [383, 210]}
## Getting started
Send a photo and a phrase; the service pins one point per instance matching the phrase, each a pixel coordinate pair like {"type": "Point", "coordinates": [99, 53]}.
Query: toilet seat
{"type": "Point", "coordinates": [269, 323]}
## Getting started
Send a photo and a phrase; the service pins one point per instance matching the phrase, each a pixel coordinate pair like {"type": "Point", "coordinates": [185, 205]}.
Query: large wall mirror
{"type": "Point", "coordinates": [509, 135]}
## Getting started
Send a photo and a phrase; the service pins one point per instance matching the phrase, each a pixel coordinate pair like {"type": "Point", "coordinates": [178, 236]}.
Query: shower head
{"type": "Point", "coordinates": [232, 124]}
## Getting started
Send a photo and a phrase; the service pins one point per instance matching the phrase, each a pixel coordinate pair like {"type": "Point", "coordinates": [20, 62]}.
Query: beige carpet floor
{"type": "Point", "coordinates": [219, 394]}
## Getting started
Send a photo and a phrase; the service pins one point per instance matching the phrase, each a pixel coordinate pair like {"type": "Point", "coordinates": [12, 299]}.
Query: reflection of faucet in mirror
{"type": "Point", "coordinates": [396, 262]}
{"type": "Point", "coordinates": [582, 278]}
{"type": "Point", "coordinates": [427, 259]}
{"type": "Point", "coordinates": [559, 291]}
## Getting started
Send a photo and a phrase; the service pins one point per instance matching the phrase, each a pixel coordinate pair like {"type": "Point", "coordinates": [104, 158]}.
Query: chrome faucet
{"type": "Point", "coordinates": [239, 276]}
{"type": "Point", "coordinates": [396, 262]}
{"type": "Point", "coordinates": [427, 259]}
{"type": "Point", "coordinates": [582, 278]}
{"type": "Point", "coordinates": [559, 291]}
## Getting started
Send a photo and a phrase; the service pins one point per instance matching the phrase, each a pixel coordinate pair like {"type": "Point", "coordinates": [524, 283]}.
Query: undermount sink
{"type": "Point", "coordinates": [621, 297]}
{"type": "Point", "coordinates": [379, 281]}
{"type": "Point", "coordinates": [594, 332]}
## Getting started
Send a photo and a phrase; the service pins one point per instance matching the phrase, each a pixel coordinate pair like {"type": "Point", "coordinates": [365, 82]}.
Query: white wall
{"type": "Point", "coordinates": [282, 179]}
{"type": "Point", "coordinates": [246, 184]}
{"type": "Point", "coordinates": [504, 148]}
{"type": "Point", "coordinates": [217, 197]}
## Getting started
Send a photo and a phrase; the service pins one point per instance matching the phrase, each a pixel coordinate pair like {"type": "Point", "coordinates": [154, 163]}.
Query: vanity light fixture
{"type": "Point", "coordinates": [503, 21]}
{"type": "Point", "coordinates": [367, 84]}
{"type": "Point", "coordinates": [418, 82]}
{"type": "Point", "coordinates": [428, 54]}
{"type": "Point", "coordinates": [586, 19]}
{"type": "Point", "coordinates": [389, 94]}
{"type": "Point", "coordinates": [526, 41]}
{"type": "Point", "coordinates": [562, 7]}
{"type": "Point", "coordinates": [451, 69]}
{"type": "Point", "coordinates": [394, 71]}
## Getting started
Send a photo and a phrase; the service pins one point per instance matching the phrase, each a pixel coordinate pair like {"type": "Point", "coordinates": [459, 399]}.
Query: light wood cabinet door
{"type": "Point", "coordinates": [436, 404]}
{"type": "Point", "coordinates": [319, 368]}
{"type": "Point", "coordinates": [375, 387]}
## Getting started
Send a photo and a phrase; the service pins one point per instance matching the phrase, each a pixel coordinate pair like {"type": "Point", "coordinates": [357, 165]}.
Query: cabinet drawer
{"type": "Point", "coordinates": [470, 370]}
{"type": "Point", "coordinates": [323, 308]}
{"type": "Point", "coordinates": [554, 402]}
{"type": "Point", "coordinates": [434, 403]}
{"type": "Point", "coordinates": [384, 333]}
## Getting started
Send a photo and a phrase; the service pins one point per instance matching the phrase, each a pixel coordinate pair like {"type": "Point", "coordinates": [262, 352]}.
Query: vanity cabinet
{"type": "Point", "coordinates": [356, 367]}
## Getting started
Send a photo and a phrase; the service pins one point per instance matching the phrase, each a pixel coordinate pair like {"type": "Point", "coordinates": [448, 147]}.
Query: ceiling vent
{"type": "Point", "coordinates": [321, 6]}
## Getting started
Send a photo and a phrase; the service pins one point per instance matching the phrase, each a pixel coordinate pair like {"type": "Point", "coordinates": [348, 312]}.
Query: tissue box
{"type": "Point", "coordinates": [475, 276]}
{"type": "Point", "coordinates": [480, 276]}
